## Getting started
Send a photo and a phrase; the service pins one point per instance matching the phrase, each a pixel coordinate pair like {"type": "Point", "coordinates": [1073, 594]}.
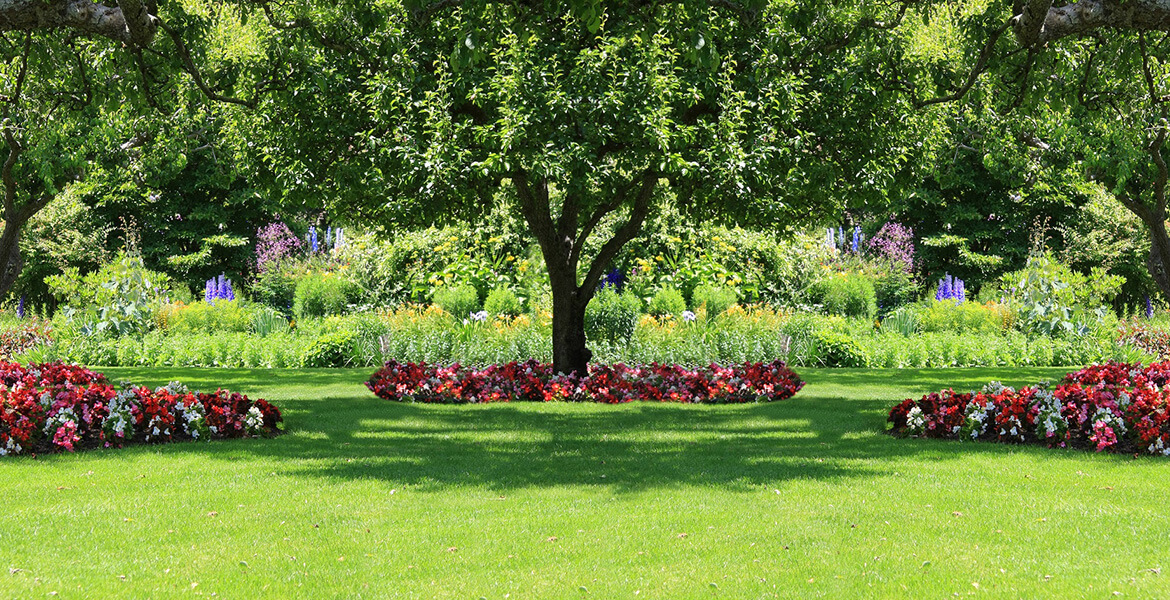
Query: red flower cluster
{"type": "Point", "coordinates": [54, 406]}
{"type": "Point", "coordinates": [533, 381]}
{"type": "Point", "coordinates": [1117, 407]}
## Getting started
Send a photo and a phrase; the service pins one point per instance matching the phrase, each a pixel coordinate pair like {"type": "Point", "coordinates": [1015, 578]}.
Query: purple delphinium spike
{"type": "Point", "coordinates": [855, 244]}
{"type": "Point", "coordinates": [1149, 308]}
{"type": "Point", "coordinates": [209, 290]}
{"type": "Point", "coordinates": [20, 308]}
{"type": "Point", "coordinates": [313, 239]}
{"type": "Point", "coordinates": [959, 291]}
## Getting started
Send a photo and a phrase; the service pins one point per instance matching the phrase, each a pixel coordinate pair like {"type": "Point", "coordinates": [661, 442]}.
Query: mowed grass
{"type": "Point", "coordinates": [364, 498]}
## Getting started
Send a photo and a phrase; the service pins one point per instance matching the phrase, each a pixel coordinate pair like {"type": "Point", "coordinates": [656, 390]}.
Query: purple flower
{"type": "Point", "coordinates": [951, 288]}
{"type": "Point", "coordinates": [895, 242]}
{"type": "Point", "coordinates": [274, 243]}
{"type": "Point", "coordinates": [1149, 307]}
{"type": "Point", "coordinates": [219, 289]}
{"type": "Point", "coordinates": [20, 307]}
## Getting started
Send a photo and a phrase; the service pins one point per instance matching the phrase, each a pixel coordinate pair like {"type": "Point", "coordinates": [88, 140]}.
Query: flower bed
{"type": "Point", "coordinates": [1115, 407]}
{"type": "Point", "coordinates": [28, 335]}
{"type": "Point", "coordinates": [534, 381]}
{"type": "Point", "coordinates": [1148, 339]}
{"type": "Point", "coordinates": [52, 407]}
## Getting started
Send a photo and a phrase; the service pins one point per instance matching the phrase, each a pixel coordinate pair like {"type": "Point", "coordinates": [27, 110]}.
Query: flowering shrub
{"type": "Point", "coordinates": [24, 337]}
{"type": "Point", "coordinates": [533, 381]}
{"type": "Point", "coordinates": [51, 407]}
{"type": "Point", "coordinates": [1116, 407]}
{"type": "Point", "coordinates": [895, 243]}
{"type": "Point", "coordinates": [274, 243]}
{"type": "Point", "coordinates": [1148, 339]}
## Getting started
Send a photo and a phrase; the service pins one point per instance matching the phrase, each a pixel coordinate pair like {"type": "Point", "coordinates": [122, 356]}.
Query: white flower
{"type": "Point", "coordinates": [688, 316]}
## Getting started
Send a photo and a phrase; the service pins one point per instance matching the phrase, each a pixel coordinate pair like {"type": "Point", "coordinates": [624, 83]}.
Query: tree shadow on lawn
{"type": "Point", "coordinates": [831, 431]}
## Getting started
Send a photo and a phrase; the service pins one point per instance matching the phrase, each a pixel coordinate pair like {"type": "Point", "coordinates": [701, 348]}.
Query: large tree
{"type": "Point", "coordinates": [587, 111]}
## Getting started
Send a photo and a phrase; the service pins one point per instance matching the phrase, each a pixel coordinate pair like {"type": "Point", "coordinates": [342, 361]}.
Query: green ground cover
{"type": "Point", "coordinates": [802, 498]}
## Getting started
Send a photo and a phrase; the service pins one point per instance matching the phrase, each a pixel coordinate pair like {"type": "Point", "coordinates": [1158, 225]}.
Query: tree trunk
{"type": "Point", "coordinates": [10, 255]}
{"type": "Point", "coordinates": [561, 243]}
{"type": "Point", "coordinates": [1159, 259]}
{"type": "Point", "coordinates": [570, 353]}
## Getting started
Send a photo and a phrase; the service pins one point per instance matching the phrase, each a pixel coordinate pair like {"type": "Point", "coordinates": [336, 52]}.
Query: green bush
{"type": "Point", "coordinates": [459, 299]}
{"type": "Point", "coordinates": [209, 317]}
{"type": "Point", "coordinates": [836, 349]}
{"type": "Point", "coordinates": [121, 298]}
{"type": "Point", "coordinates": [322, 294]}
{"type": "Point", "coordinates": [267, 320]}
{"type": "Point", "coordinates": [276, 288]}
{"type": "Point", "coordinates": [717, 299]}
{"type": "Point", "coordinates": [667, 301]}
{"type": "Point", "coordinates": [904, 320]}
{"type": "Point", "coordinates": [611, 316]}
{"type": "Point", "coordinates": [1055, 300]}
{"type": "Point", "coordinates": [847, 294]}
{"type": "Point", "coordinates": [502, 301]}
{"type": "Point", "coordinates": [893, 287]}
{"type": "Point", "coordinates": [963, 317]}
{"type": "Point", "coordinates": [330, 350]}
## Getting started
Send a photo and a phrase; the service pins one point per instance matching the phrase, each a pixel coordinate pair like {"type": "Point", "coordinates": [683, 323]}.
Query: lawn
{"type": "Point", "coordinates": [802, 498]}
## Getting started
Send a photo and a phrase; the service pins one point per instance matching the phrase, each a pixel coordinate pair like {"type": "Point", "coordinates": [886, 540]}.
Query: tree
{"type": "Point", "coordinates": [588, 112]}
{"type": "Point", "coordinates": [1078, 88]}
{"type": "Point", "coordinates": [81, 81]}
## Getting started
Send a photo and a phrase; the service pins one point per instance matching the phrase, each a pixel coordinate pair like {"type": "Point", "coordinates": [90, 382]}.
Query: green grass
{"type": "Point", "coordinates": [366, 498]}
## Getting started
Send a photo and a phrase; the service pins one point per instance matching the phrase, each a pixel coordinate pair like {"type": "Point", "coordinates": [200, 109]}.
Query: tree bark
{"type": "Point", "coordinates": [1039, 22]}
{"type": "Point", "coordinates": [1159, 259]}
{"type": "Point", "coordinates": [570, 351]}
{"type": "Point", "coordinates": [130, 22]}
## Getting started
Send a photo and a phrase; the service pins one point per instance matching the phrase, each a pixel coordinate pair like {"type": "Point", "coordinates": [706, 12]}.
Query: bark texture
{"type": "Point", "coordinates": [1039, 22]}
{"type": "Point", "coordinates": [130, 22]}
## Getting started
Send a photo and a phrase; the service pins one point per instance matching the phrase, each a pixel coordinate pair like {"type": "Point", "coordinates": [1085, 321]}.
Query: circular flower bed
{"type": "Point", "coordinates": [1115, 407]}
{"type": "Point", "coordinates": [52, 407]}
{"type": "Point", "coordinates": [533, 381]}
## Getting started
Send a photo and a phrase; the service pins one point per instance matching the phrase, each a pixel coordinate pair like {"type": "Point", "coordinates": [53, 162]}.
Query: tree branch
{"type": "Point", "coordinates": [85, 16]}
{"type": "Point", "coordinates": [14, 151]}
{"type": "Point", "coordinates": [977, 70]}
{"type": "Point", "coordinates": [1155, 150]}
{"type": "Point", "coordinates": [1151, 87]}
{"type": "Point", "coordinates": [1086, 15]}
{"type": "Point", "coordinates": [624, 234]}
{"type": "Point", "coordinates": [197, 76]}
{"type": "Point", "coordinates": [1029, 24]}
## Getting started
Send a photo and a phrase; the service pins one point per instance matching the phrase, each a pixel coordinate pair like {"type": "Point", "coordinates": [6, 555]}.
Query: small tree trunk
{"type": "Point", "coordinates": [11, 262]}
{"type": "Point", "coordinates": [1159, 259]}
{"type": "Point", "coordinates": [570, 353]}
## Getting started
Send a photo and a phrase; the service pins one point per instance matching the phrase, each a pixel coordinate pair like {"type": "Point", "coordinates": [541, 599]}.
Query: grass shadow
{"type": "Point", "coordinates": [831, 431]}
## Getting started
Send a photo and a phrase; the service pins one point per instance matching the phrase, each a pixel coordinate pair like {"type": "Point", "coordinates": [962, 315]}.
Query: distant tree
{"type": "Point", "coordinates": [85, 86]}
{"type": "Point", "coordinates": [1075, 91]}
